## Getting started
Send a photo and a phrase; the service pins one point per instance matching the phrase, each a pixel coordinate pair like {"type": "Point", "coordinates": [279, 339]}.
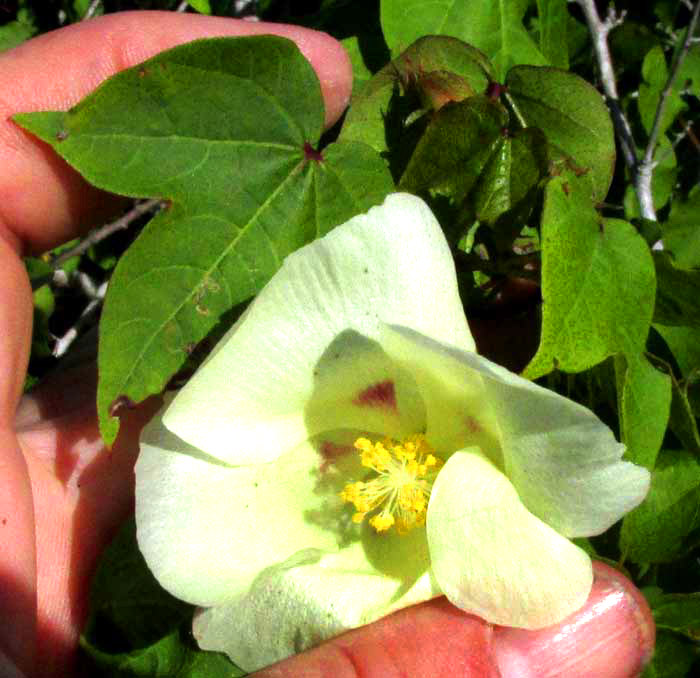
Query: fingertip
{"type": "Point", "coordinates": [333, 68]}
{"type": "Point", "coordinates": [612, 636]}
{"type": "Point", "coordinates": [638, 613]}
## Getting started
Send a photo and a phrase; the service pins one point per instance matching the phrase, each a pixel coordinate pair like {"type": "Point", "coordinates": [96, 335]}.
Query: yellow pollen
{"type": "Point", "coordinates": [405, 473]}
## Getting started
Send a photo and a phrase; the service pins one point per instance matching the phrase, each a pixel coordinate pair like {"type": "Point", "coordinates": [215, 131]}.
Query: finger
{"type": "Point", "coordinates": [82, 493]}
{"type": "Point", "coordinates": [42, 201]}
{"type": "Point", "coordinates": [612, 636]}
{"type": "Point", "coordinates": [17, 556]}
{"type": "Point", "coordinates": [432, 639]}
{"type": "Point", "coordinates": [60, 393]}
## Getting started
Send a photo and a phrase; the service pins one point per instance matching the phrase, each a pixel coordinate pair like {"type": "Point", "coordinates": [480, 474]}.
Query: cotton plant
{"type": "Point", "coordinates": [344, 452]}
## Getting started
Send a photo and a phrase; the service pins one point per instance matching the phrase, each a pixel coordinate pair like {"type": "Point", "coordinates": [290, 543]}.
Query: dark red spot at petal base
{"type": "Point", "coordinates": [381, 394]}
{"type": "Point", "coordinates": [473, 425]}
{"type": "Point", "coordinates": [331, 452]}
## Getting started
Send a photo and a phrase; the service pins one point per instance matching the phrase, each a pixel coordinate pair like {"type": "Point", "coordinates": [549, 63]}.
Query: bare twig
{"type": "Point", "coordinates": [90, 12]}
{"type": "Point", "coordinates": [647, 164]}
{"type": "Point", "coordinates": [599, 31]}
{"type": "Point", "coordinates": [182, 6]}
{"type": "Point", "coordinates": [105, 231]}
{"type": "Point", "coordinates": [641, 171]}
{"type": "Point", "coordinates": [63, 343]}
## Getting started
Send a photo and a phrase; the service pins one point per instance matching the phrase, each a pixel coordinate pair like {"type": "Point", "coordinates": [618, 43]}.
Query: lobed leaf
{"type": "Point", "coordinates": [225, 130]}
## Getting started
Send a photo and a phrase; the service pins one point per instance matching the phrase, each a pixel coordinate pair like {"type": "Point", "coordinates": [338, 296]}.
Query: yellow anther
{"type": "Point", "coordinates": [382, 521]}
{"type": "Point", "coordinates": [405, 473]}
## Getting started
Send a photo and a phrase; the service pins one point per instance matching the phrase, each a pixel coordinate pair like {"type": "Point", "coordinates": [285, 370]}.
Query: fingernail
{"type": "Point", "coordinates": [612, 636]}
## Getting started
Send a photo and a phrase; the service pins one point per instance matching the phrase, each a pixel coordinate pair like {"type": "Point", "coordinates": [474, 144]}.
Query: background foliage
{"type": "Point", "coordinates": [575, 236]}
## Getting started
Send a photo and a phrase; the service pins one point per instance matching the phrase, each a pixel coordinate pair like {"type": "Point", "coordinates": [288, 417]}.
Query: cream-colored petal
{"type": "Point", "coordinates": [312, 597]}
{"type": "Point", "coordinates": [492, 557]}
{"type": "Point", "coordinates": [207, 529]}
{"type": "Point", "coordinates": [563, 461]}
{"type": "Point", "coordinates": [305, 358]}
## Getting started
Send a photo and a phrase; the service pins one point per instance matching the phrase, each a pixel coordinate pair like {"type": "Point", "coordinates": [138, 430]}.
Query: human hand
{"type": "Point", "coordinates": [64, 494]}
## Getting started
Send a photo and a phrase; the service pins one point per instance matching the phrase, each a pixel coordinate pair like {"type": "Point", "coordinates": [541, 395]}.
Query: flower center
{"type": "Point", "coordinates": [404, 477]}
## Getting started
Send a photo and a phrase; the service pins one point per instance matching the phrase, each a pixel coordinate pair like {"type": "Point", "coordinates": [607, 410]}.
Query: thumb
{"type": "Point", "coordinates": [612, 636]}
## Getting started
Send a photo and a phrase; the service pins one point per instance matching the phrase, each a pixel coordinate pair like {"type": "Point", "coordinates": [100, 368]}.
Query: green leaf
{"type": "Point", "coordinates": [44, 305]}
{"type": "Point", "coordinates": [40, 273]}
{"type": "Point", "coordinates": [571, 113]}
{"type": "Point", "coordinates": [135, 628]}
{"type": "Point", "coordinates": [38, 270]}
{"type": "Point", "coordinates": [224, 129]}
{"type": "Point", "coordinates": [644, 405]}
{"type": "Point", "coordinates": [366, 48]}
{"type": "Point", "coordinates": [553, 22]}
{"type": "Point", "coordinates": [654, 532]}
{"type": "Point", "coordinates": [496, 28]}
{"type": "Point", "coordinates": [684, 343]}
{"type": "Point", "coordinates": [128, 608]}
{"type": "Point", "coordinates": [372, 116]}
{"type": "Point", "coordinates": [629, 42]}
{"type": "Point", "coordinates": [173, 656]}
{"type": "Point", "coordinates": [672, 658]}
{"type": "Point", "coordinates": [360, 71]}
{"type": "Point", "coordinates": [681, 233]}
{"type": "Point", "coordinates": [16, 32]}
{"type": "Point", "coordinates": [677, 295]}
{"type": "Point", "coordinates": [507, 187]}
{"type": "Point", "coordinates": [679, 613]}
{"type": "Point", "coordinates": [455, 148]}
{"type": "Point", "coordinates": [683, 422]}
{"type": "Point", "coordinates": [655, 74]}
{"type": "Point", "coordinates": [597, 283]}
{"type": "Point", "coordinates": [202, 6]}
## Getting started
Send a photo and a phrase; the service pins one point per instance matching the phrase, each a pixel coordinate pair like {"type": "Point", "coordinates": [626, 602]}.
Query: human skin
{"type": "Point", "coordinates": [64, 494]}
